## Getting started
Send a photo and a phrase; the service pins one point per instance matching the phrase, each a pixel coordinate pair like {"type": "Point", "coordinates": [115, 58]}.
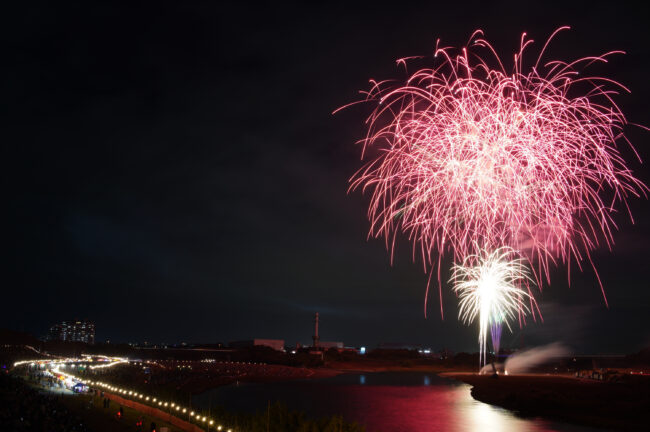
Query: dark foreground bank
{"type": "Point", "coordinates": [623, 405]}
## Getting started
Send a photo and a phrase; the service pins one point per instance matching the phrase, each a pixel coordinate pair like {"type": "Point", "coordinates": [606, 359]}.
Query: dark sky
{"type": "Point", "coordinates": [174, 173]}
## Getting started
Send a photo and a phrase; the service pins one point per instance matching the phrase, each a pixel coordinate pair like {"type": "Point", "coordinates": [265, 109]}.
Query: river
{"type": "Point", "coordinates": [384, 402]}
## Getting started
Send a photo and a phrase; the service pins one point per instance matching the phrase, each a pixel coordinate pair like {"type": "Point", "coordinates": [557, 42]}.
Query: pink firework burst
{"type": "Point", "coordinates": [472, 157]}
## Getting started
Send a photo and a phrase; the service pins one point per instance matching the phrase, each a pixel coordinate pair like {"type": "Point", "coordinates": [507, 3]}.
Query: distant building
{"type": "Point", "coordinates": [399, 346]}
{"type": "Point", "coordinates": [73, 331]}
{"type": "Point", "coordinates": [276, 344]}
{"type": "Point", "coordinates": [327, 345]}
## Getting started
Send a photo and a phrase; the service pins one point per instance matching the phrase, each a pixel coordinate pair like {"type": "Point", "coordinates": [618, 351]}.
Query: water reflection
{"type": "Point", "coordinates": [385, 402]}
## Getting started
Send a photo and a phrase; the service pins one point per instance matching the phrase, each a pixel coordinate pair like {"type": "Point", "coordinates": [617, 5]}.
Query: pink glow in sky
{"type": "Point", "coordinates": [469, 156]}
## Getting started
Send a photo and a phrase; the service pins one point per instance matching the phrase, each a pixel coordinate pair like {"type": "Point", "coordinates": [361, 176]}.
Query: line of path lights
{"type": "Point", "coordinates": [109, 361]}
{"type": "Point", "coordinates": [171, 407]}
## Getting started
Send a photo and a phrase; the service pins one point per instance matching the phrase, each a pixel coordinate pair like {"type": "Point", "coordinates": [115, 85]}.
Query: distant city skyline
{"type": "Point", "coordinates": [73, 331]}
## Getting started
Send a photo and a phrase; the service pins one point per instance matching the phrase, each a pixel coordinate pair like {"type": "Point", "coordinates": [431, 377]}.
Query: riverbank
{"type": "Point", "coordinates": [369, 366]}
{"type": "Point", "coordinates": [620, 406]}
{"type": "Point", "coordinates": [35, 405]}
{"type": "Point", "coordinates": [331, 369]}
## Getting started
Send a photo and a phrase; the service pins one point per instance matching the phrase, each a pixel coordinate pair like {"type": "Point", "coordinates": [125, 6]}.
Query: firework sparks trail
{"type": "Point", "coordinates": [472, 157]}
{"type": "Point", "coordinates": [495, 333]}
{"type": "Point", "coordinates": [489, 287]}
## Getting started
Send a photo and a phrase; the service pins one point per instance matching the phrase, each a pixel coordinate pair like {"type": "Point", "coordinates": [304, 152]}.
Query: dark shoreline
{"type": "Point", "coordinates": [608, 405]}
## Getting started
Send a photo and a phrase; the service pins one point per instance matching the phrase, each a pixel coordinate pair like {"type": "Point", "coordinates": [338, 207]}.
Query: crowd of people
{"type": "Point", "coordinates": [44, 378]}
{"type": "Point", "coordinates": [23, 408]}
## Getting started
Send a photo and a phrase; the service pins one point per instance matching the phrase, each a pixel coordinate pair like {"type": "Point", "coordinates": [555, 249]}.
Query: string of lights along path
{"type": "Point", "coordinates": [173, 408]}
{"type": "Point", "coordinates": [465, 157]}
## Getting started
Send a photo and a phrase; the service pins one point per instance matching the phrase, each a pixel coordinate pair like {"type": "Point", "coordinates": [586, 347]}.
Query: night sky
{"type": "Point", "coordinates": [175, 173]}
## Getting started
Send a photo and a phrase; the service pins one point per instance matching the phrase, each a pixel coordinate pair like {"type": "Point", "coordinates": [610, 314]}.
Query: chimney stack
{"type": "Point", "coordinates": [315, 337]}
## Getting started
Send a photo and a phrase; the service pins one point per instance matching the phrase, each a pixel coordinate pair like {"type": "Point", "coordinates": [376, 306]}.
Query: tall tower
{"type": "Point", "coordinates": [315, 337]}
